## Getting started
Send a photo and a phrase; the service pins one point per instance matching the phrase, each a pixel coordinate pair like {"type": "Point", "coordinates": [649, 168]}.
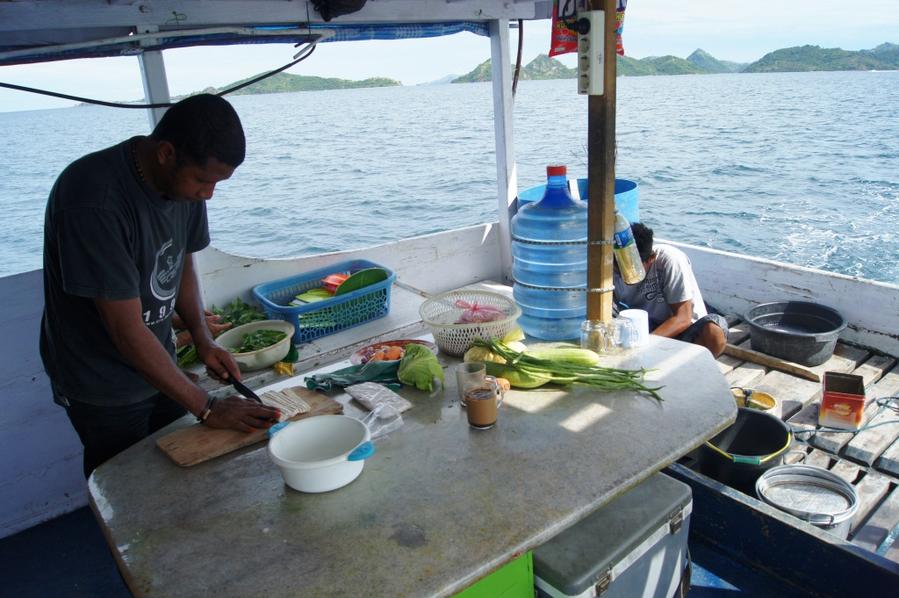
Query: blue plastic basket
{"type": "Point", "coordinates": [322, 318]}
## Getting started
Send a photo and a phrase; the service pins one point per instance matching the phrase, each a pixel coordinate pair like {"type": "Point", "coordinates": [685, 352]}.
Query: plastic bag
{"type": "Point", "coordinates": [382, 420]}
{"type": "Point", "coordinates": [371, 394]}
{"type": "Point", "coordinates": [477, 313]}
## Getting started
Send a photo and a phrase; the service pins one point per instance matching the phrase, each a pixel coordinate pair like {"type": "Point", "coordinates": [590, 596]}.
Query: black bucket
{"type": "Point", "coordinates": [755, 443]}
{"type": "Point", "coordinates": [798, 331]}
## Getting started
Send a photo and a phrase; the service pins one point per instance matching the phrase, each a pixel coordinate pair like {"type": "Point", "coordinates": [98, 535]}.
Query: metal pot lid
{"type": "Point", "coordinates": [808, 492]}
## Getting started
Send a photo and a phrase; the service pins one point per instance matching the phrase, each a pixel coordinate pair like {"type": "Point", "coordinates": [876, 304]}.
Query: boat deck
{"type": "Point", "coordinates": [868, 459]}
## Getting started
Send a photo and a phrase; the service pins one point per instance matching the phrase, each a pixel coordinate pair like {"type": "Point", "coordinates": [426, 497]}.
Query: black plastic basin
{"type": "Point", "coordinates": [799, 331]}
{"type": "Point", "coordinates": [755, 443]}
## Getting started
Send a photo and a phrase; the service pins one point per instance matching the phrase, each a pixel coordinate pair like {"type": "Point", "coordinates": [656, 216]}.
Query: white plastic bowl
{"type": "Point", "coordinates": [312, 453]}
{"type": "Point", "coordinates": [262, 358]}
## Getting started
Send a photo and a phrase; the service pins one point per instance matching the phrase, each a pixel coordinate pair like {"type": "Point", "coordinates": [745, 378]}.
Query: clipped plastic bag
{"type": "Point", "coordinates": [382, 420]}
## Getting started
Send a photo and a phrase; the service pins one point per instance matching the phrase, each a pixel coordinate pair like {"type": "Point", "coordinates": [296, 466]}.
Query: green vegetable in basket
{"type": "Point", "coordinates": [312, 296]}
{"type": "Point", "coordinates": [237, 312]}
{"type": "Point", "coordinates": [419, 367]}
{"type": "Point", "coordinates": [260, 339]}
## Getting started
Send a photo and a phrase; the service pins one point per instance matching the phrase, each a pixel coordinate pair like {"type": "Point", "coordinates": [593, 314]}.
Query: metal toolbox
{"type": "Point", "coordinates": [634, 546]}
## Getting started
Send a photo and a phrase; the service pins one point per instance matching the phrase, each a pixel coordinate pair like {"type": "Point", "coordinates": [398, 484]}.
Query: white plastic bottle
{"type": "Point", "coordinates": [626, 253]}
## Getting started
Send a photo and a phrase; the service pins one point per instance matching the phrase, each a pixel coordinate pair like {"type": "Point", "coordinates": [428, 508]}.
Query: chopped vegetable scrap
{"type": "Point", "coordinates": [283, 368]}
{"type": "Point", "coordinates": [419, 367]}
{"type": "Point", "coordinates": [259, 339]}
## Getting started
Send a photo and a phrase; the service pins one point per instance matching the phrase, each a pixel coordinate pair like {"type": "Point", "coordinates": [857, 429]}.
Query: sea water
{"type": "Point", "coordinates": [796, 167]}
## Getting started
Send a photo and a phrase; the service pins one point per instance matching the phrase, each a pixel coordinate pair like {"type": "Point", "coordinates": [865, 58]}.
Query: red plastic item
{"type": "Point", "coordinates": [332, 281]}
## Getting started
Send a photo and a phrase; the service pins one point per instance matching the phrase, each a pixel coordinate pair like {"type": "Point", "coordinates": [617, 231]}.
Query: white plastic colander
{"type": "Point", "coordinates": [442, 313]}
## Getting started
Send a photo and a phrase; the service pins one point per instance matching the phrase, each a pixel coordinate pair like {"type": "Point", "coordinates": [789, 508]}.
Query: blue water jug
{"type": "Point", "coordinates": [549, 261]}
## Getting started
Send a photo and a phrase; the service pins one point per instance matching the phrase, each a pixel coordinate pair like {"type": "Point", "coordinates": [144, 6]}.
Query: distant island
{"type": "Point", "coordinates": [285, 82]}
{"type": "Point", "coordinates": [801, 58]}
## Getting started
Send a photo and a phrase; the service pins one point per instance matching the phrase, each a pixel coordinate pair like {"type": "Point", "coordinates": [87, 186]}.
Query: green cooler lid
{"type": "Point", "coordinates": [577, 558]}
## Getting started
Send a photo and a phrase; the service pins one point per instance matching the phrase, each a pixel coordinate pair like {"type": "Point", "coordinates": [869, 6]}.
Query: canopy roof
{"type": "Point", "coordinates": [45, 30]}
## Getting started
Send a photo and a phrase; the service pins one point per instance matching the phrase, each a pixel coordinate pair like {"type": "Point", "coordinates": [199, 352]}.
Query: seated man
{"type": "Point", "coordinates": [670, 295]}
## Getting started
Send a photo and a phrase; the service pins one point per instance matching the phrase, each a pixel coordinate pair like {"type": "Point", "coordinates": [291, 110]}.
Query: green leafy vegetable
{"type": "Point", "coordinates": [419, 367]}
{"type": "Point", "coordinates": [260, 339]}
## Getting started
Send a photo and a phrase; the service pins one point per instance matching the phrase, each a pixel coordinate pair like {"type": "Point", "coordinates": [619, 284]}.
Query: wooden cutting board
{"type": "Point", "coordinates": [199, 443]}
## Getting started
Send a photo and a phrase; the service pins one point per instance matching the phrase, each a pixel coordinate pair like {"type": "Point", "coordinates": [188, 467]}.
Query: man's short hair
{"type": "Point", "coordinates": [201, 127]}
{"type": "Point", "coordinates": [643, 238]}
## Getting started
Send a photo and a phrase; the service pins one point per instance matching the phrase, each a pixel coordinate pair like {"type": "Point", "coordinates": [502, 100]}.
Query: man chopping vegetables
{"type": "Point", "coordinates": [121, 227]}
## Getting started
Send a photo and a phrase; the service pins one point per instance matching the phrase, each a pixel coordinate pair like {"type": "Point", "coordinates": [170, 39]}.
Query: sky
{"type": "Point", "coordinates": [728, 29]}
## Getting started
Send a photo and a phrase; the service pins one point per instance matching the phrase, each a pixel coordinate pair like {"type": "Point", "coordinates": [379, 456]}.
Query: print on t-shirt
{"type": "Point", "coordinates": [164, 283]}
{"type": "Point", "coordinates": [652, 289]}
{"type": "Point", "coordinates": [164, 280]}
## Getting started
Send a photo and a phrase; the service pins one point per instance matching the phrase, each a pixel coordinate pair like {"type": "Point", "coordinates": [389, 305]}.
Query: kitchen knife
{"type": "Point", "coordinates": [244, 390]}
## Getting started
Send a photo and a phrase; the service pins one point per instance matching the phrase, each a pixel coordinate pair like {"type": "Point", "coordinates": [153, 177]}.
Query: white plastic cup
{"type": "Point", "coordinates": [640, 319]}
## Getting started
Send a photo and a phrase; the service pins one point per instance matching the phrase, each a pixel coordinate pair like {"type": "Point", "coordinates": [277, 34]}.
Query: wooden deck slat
{"type": "Point", "coordinates": [871, 489]}
{"type": "Point", "coordinates": [868, 444]}
{"type": "Point", "coordinates": [874, 368]}
{"type": "Point", "coordinates": [797, 454]}
{"type": "Point", "coordinates": [882, 520]}
{"type": "Point", "coordinates": [727, 363]}
{"type": "Point", "coordinates": [848, 472]}
{"type": "Point", "coordinates": [738, 333]}
{"type": "Point", "coordinates": [844, 360]}
{"type": "Point", "coordinates": [792, 393]}
{"type": "Point", "coordinates": [819, 459]}
{"type": "Point", "coordinates": [889, 460]}
{"type": "Point", "coordinates": [746, 375]}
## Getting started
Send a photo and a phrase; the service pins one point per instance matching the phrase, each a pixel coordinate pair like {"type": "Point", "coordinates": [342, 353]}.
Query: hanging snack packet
{"type": "Point", "coordinates": [619, 26]}
{"type": "Point", "coordinates": [564, 38]}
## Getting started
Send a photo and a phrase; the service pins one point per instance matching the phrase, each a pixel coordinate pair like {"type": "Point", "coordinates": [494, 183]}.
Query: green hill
{"type": "Point", "coordinates": [672, 65]}
{"type": "Point", "coordinates": [285, 82]}
{"type": "Point", "coordinates": [542, 67]}
{"type": "Point", "coordinates": [710, 64]}
{"type": "Point", "coordinates": [816, 58]}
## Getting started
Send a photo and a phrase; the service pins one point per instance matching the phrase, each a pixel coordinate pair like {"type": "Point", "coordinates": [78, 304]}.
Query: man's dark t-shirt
{"type": "Point", "coordinates": [108, 235]}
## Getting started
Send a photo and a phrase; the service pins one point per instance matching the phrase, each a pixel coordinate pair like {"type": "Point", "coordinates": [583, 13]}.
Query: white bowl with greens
{"type": "Point", "coordinates": [259, 344]}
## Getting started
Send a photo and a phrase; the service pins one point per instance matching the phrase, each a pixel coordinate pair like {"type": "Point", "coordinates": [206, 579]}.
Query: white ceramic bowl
{"type": "Point", "coordinates": [312, 453]}
{"type": "Point", "coordinates": [262, 358]}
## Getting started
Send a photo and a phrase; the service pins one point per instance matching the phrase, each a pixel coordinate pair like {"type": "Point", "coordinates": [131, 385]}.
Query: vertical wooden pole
{"type": "Point", "coordinates": [601, 175]}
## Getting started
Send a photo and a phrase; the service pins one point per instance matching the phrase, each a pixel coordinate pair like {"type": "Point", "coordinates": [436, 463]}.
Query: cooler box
{"type": "Point", "coordinates": [636, 546]}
